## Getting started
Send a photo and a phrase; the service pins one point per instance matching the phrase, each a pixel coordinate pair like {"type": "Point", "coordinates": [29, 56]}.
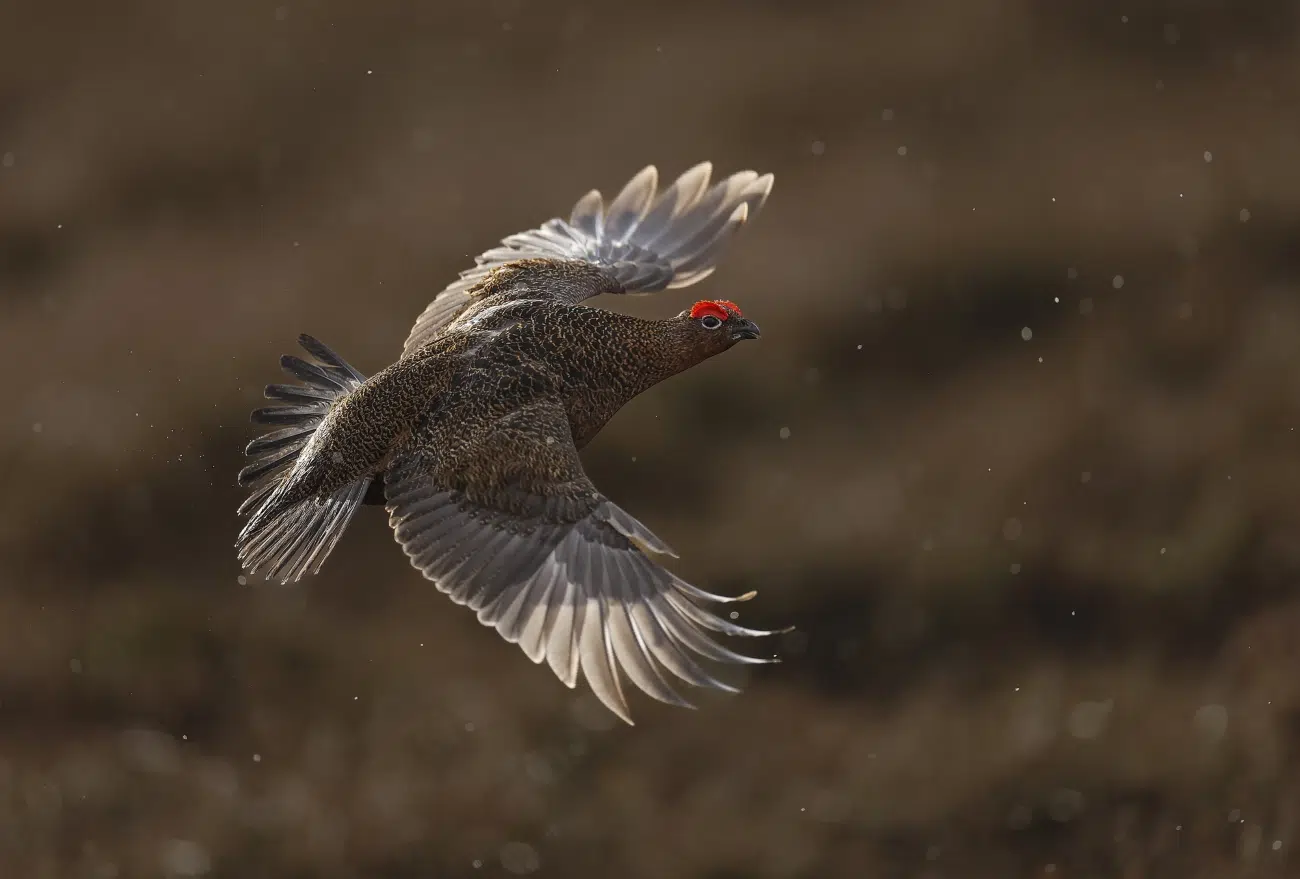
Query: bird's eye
{"type": "Point", "coordinates": [710, 322]}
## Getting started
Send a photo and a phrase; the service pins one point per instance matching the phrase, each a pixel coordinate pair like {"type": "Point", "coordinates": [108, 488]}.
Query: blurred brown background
{"type": "Point", "coordinates": [1017, 452]}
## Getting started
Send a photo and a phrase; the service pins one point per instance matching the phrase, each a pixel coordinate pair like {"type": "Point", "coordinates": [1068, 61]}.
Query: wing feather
{"type": "Point", "coordinates": [566, 575]}
{"type": "Point", "coordinates": [643, 241]}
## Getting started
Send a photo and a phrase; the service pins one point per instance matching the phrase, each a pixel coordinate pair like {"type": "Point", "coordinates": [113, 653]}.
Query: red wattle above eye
{"type": "Point", "coordinates": [708, 309]}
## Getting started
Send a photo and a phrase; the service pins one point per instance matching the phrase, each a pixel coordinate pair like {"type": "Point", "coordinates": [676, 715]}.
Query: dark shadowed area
{"type": "Point", "coordinates": [1017, 452]}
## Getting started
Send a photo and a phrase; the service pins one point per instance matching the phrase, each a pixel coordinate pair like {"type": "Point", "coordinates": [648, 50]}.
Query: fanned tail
{"type": "Point", "coordinates": [292, 530]}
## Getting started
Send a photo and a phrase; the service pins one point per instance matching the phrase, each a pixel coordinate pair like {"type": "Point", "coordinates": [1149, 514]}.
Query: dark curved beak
{"type": "Point", "coordinates": [744, 329]}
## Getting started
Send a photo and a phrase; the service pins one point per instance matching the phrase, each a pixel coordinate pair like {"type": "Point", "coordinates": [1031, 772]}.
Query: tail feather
{"type": "Point", "coordinates": [288, 536]}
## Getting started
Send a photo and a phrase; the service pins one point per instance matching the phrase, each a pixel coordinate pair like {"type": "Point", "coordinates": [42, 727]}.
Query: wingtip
{"type": "Point", "coordinates": [651, 173]}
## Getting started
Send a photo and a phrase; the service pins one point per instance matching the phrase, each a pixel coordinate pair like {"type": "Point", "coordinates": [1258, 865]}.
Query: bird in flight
{"type": "Point", "coordinates": [470, 440]}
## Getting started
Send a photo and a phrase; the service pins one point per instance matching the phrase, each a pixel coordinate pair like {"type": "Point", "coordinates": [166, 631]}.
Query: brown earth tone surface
{"type": "Point", "coordinates": [1017, 451]}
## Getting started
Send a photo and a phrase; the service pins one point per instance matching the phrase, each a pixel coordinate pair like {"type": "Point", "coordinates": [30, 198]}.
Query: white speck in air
{"type": "Point", "coordinates": [818, 147]}
{"type": "Point", "coordinates": [1117, 282]}
{"type": "Point", "coordinates": [1244, 215]}
{"type": "Point", "coordinates": [785, 433]}
{"type": "Point", "coordinates": [1208, 156]}
{"type": "Point", "coordinates": [519, 858]}
{"type": "Point", "coordinates": [887, 115]}
{"type": "Point", "coordinates": [1026, 333]}
{"type": "Point", "coordinates": [902, 151]}
{"type": "Point", "coordinates": [8, 160]}
{"type": "Point", "coordinates": [257, 758]}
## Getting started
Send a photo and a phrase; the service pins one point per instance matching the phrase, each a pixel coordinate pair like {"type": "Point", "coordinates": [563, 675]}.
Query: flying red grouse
{"type": "Point", "coordinates": [471, 438]}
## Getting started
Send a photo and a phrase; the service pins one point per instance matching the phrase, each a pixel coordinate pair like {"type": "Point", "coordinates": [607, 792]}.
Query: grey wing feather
{"type": "Point", "coordinates": [568, 581]}
{"type": "Point", "coordinates": [647, 240]}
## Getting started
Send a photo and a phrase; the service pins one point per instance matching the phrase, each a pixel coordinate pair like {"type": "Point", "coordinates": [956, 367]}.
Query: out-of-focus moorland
{"type": "Point", "coordinates": [1028, 284]}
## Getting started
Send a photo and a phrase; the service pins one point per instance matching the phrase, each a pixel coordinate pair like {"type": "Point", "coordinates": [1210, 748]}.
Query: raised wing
{"type": "Point", "coordinates": [556, 567]}
{"type": "Point", "coordinates": [645, 240]}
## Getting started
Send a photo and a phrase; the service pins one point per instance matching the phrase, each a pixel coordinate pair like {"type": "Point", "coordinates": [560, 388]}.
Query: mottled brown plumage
{"type": "Point", "coordinates": [471, 438]}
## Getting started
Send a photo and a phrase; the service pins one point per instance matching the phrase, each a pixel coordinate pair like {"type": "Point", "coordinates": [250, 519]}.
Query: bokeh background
{"type": "Point", "coordinates": [1017, 452]}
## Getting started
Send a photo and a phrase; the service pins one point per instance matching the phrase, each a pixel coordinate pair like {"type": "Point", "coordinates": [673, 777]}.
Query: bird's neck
{"type": "Point", "coordinates": [651, 352]}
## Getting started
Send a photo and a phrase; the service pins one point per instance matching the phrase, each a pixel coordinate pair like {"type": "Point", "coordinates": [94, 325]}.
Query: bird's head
{"type": "Point", "coordinates": [713, 326]}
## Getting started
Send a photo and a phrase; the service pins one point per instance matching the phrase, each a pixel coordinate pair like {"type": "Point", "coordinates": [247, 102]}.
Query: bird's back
{"type": "Point", "coordinates": [517, 352]}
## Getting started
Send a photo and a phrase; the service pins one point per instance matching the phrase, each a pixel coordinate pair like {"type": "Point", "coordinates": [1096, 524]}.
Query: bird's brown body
{"type": "Point", "coordinates": [471, 438]}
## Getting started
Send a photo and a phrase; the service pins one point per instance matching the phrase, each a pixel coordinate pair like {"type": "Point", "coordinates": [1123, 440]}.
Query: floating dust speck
{"type": "Point", "coordinates": [818, 148]}
{"type": "Point", "coordinates": [1026, 333]}
{"type": "Point", "coordinates": [1117, 282]}
{"type": "Point", "coordinates": [902, 151]}
{"type": "Point", "coordinates": [183, 857]}
{"type": "Point", "coordinates": [784, 433]}
{"type": "Point", "coordinates": [520, 858]}
{"type": "Point", "coordinates": [1208, 156]}
{"type": "Point", "coordinates": [1211, 722]}
{"type": "Point", "coordinates": [1243, 215]}
{"type": "Point", "coordinates": [1015, 568]}
{"type": "Point", "coordinates": [1088, 720]}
